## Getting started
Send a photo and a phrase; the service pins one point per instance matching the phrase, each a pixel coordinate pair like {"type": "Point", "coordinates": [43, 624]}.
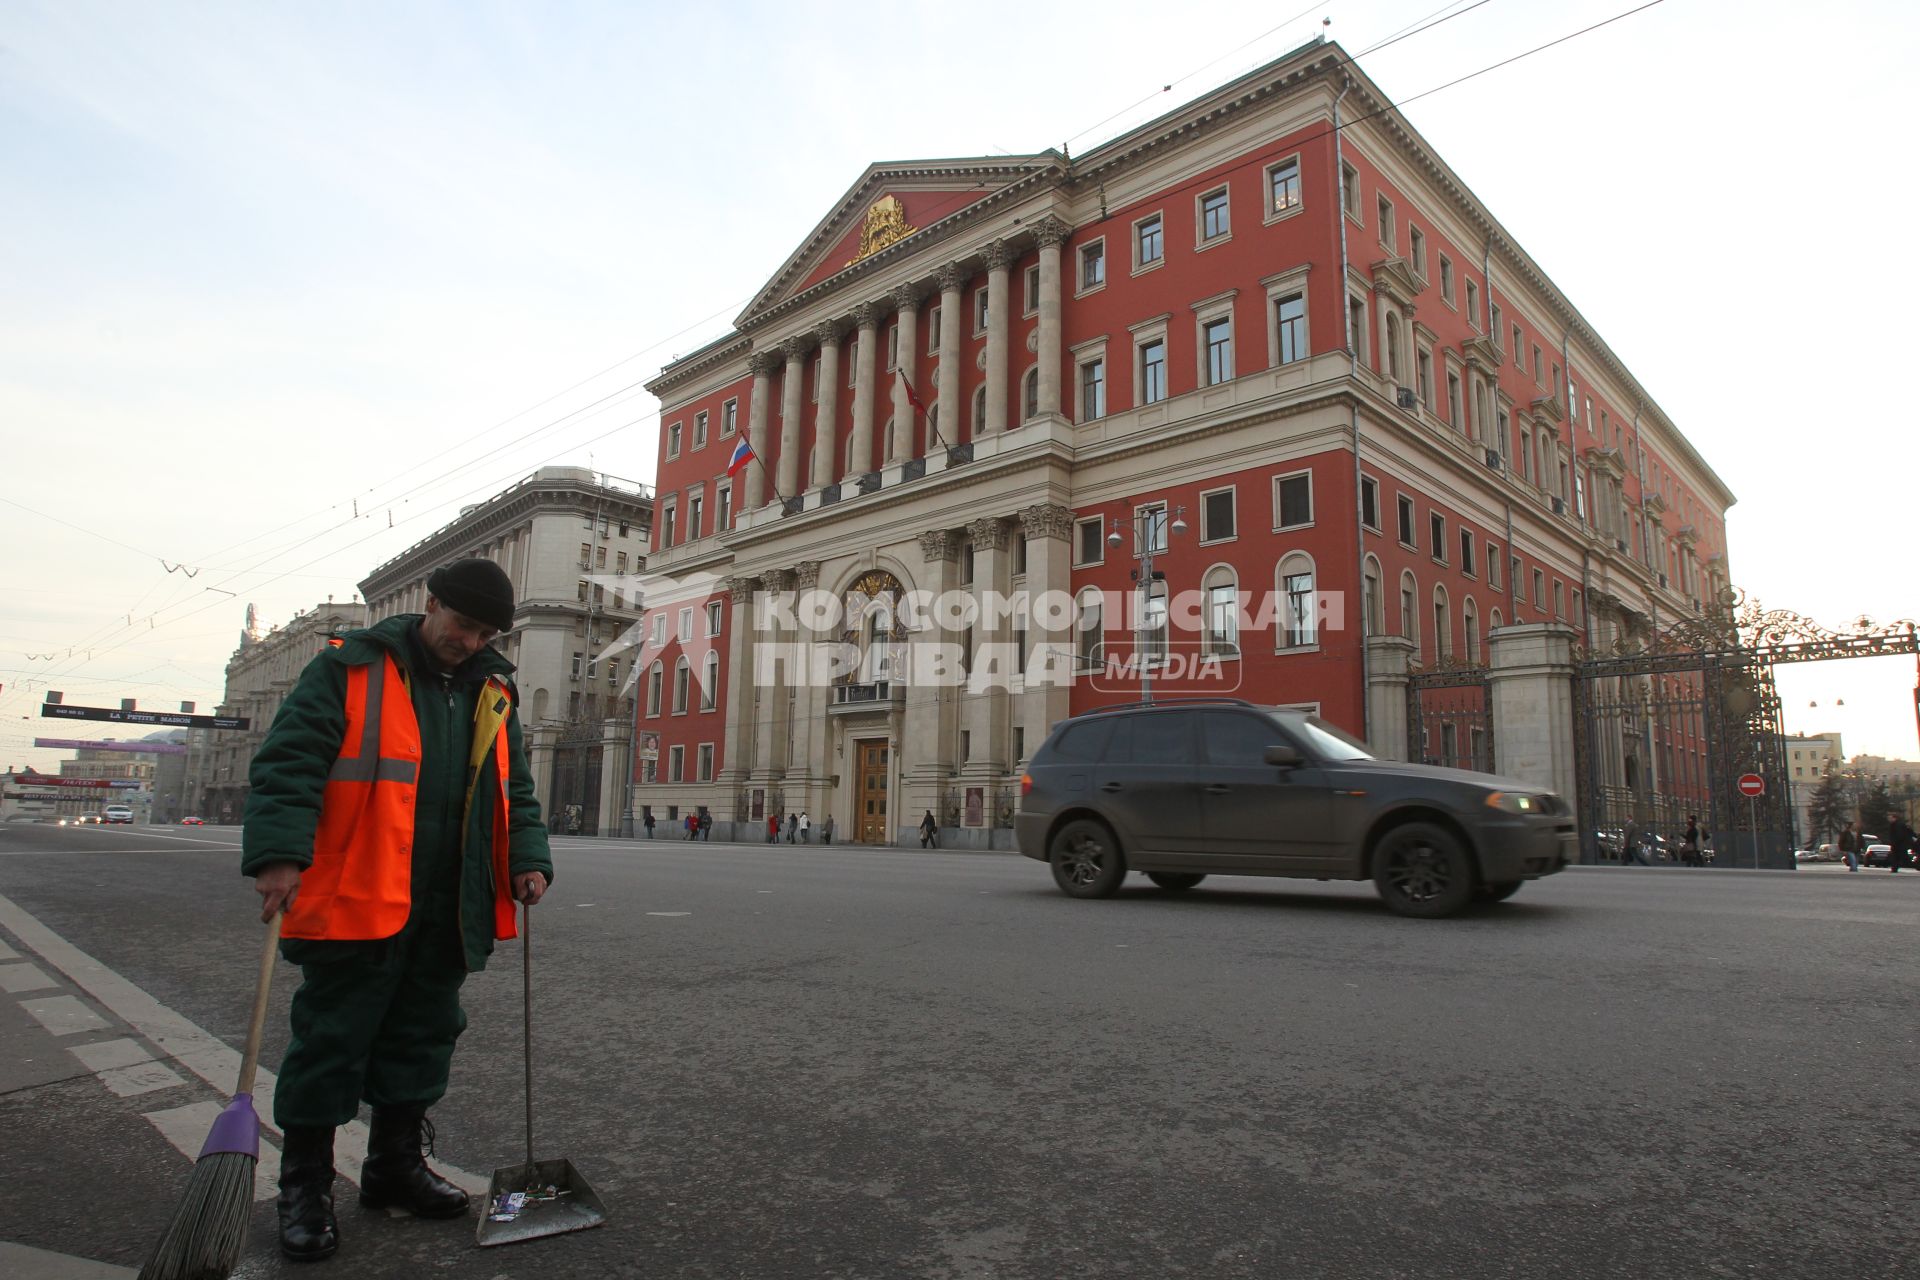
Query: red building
{"type": "Point", "coordinates": [1270, 339]}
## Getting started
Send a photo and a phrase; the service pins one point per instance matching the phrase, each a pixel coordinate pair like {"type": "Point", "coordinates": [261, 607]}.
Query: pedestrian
{"type": "Point", "coordinates": [826, 830]}
{"type": "Point", "coordinates": [793, 829]}
{"type": "Point", "coordinates": [646, 818]}
{"type": "Point", "coordinates": [1850, 847]}
{"type": "Point", "coordinates": [773, 828]}
{"type": "Point", "coordinates": [435, 732]}
{"type": "Point", "coordinates": [1690, 843]}
{"type": "Point", "coordinates": [929, 832]}
{"type": "Point", "coordinates": [1900, 842]}
{"type": "Point", "coordinates": [692, 825]}
{"type": "Point", "coordinates": [806, 828]}
{"type": "Point", "coordinates": [706, 825]}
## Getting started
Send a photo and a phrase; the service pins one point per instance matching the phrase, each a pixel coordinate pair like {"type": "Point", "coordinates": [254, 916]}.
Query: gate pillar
{"type": "Point", "coordinates": [1531, 677]}
{"type": "Point", "coordinates": [540, 743]}
{"type": "Point", "coordinates": [1389, 664]}
{"type": "Point", "coordinates": [616, 790]}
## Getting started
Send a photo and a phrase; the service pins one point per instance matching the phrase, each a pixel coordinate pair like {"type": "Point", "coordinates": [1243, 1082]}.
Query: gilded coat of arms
{"type": "Point", "coordinates": [886, 224]}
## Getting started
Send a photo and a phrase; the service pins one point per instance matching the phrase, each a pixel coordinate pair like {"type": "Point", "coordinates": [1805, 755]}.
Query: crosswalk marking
{"type": "Point", "coordinates": [63, 1015]}
{"type": "Point", "coordinates": [187, 1128]}
{"type": "Point", "coordinates": [8, 953]}
{"type": "Point", "coordinates": [183, 1042]}
{"type": "Point", "coordinates": [141, 1077]}
{"type": "Point", "coordinates": [104, 1055]}
{"type": "Point", "coordinates": [15, 978]}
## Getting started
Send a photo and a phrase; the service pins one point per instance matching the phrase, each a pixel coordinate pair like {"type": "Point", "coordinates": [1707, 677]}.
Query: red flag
{"type": "Point", "coordinates": [912, 397]}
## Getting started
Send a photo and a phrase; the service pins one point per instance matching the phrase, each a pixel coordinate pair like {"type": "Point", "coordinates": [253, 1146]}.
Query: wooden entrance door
{"type": "Point", "coordinates": [870, 801]}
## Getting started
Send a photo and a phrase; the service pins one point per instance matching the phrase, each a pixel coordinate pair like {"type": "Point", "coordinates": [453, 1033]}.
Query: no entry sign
{"type": "Point", "coordinates": [1752, 784]}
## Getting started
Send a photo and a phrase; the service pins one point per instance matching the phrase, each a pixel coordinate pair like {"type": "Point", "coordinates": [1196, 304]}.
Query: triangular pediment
{"type": "Point", "coordinates": [893, 204]}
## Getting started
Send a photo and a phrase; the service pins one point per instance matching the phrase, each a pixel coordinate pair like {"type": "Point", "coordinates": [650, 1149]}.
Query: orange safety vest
{"type": "Point", "coordinates": [360, 884]}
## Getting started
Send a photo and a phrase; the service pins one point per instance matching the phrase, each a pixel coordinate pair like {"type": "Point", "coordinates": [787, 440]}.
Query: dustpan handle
{"type": "Point", "coordinates": [526, 998]}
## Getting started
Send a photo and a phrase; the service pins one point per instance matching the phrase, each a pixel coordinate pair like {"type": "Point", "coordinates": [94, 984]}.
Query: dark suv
{"type": "Point", "coordinates": [1181, 790]}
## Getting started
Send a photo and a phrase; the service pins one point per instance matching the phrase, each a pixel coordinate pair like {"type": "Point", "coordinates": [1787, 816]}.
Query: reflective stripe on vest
{"type": "Point", "coordinates": [366, 764]}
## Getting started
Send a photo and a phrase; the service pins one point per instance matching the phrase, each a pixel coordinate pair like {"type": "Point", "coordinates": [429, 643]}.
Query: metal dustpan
{"type": "Point", "coordinates": [540, 1197]}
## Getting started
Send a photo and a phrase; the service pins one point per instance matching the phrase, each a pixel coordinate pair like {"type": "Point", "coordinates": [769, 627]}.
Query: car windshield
{"type": "Point", "coordinates": [1331, 743]}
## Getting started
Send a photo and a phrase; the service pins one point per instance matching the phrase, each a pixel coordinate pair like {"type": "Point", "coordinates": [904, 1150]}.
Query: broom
{"type": "Point", "coordinates": [203, 1240]}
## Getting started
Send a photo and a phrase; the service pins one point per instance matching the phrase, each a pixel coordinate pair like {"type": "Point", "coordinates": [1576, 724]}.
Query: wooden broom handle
{"type": "Point", "coordinates": [263, 988]}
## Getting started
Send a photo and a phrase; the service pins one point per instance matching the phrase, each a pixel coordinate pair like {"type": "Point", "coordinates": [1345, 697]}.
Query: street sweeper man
{"type": "Point", "coordinates": [393, 817]}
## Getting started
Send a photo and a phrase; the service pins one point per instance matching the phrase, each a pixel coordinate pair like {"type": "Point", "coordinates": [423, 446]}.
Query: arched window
{"type": "Point", "coordinates": [1299, 621]}
{"type": "Point", "coordinates": [539, 705]}
{"type": "Point", "coordinates": [1494, 623]}
{"type": "Point", "coordinates": [933, 427]}
{"type": "Point", "coordinates": [656, 676]}
{"type": "Point", "coordinates": [710, 681]}
{"type": "Point", "coordinates": [979, 411]}
{"type": "Point", "coordinates": [1470, 630]}
{"type": "Point", "coordinates": [1371, 617]}
{"type": "Point", "coordinates": [1030, 394]}
{"type": "Point", "coordinates": [1154, 623]}
{"type": "Point", "coordinates": [682, 677]}
{"type": "Point", "coordinates": [1089, 644]}
{"type": "Point", "coordinates": [1222, 619]}
{"type": "Point", "coordinates": [1393, 349]}
{"type": "Point", "coordinates": [887, 450]}
{"type": "Point", "coordinates": [1409, 610]}
{"type": "Point", "coordinates": [1442, 627]}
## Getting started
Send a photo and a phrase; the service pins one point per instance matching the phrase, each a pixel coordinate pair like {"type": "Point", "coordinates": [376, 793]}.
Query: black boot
{"type": "Point", "coordinates": [396, 1175]}
{"type": "Point", "coordinates": [308, 1231]}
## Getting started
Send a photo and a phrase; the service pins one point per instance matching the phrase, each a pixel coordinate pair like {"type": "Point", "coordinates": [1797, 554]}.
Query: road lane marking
{"type": "Point", "coordinates": [15, 978]}
{"type": "Point", "coordinates": [63, 1015]}
{"type": "Point", "coordinates": [183, 1041]}
{"type": "Point", "coordinates": [669, 913]}
{"type": "Point", "coordinates": [187, 1128]}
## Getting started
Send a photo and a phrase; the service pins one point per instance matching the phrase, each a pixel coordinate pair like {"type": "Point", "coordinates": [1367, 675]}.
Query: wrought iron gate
{"type": "Point", "coordinates": [1450, 718]}
{"type": "Point", "coordinates": [575, 805]}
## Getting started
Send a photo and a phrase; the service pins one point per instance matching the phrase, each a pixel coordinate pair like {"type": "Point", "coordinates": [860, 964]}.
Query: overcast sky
{"type": "Point", "coordinates": [272, 276]}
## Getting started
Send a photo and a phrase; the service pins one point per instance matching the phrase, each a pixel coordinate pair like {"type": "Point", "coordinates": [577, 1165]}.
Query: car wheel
{"type": "Point", "coordinates": [1086, 859]}
{"type": "Point", "coordinates": [1497, 890]}
{"type": "Point", "coordinates": [1175, 881]}
{"type": "Point", "coordinates": [1421, 870]}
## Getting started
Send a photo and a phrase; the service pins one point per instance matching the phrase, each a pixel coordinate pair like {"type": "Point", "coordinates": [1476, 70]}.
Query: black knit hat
{"type": "Point", "coordinates": [478, 588]}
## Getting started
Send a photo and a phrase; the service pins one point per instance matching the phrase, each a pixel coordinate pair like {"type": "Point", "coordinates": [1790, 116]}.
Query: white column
{"type": "Point", "coordinates": [932, 703]}
{"type": "Point", "coordinates": [737, 756]}
{"type": "Point", "coordinates": [826, 418]}
{"type": "Point", "coordinates": [1051, 233]}
{"type": "Point", "coordinates": [899, 446]}
{"type": "Point", "coordinates": [792, 382]}
{"type": "Point", "coordinates": [988, 692]}
{"type": "Point", "coordinates": [1389, 668]}
{"type": "Point", "coordinates": [866, 318]}
{"type": "Point", "coordinates": [809, 728]}
{"type": "Point", "coordinates": [762, 364]}
{"type": "Point", "coordinates": [771, 751]}
{"type": "Point", "coordinates": [999, 257]}
{"type": "Point", "coordinates": [1048, 528]}
{"type": "Point", "coordinates": [952, 377]}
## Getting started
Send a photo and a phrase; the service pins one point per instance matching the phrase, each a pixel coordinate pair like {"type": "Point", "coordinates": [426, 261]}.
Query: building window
{"type": "Point", "coordinates": [729, 417]}
{"type": "Point", "coordinates": [676, 764]}
{"type": "Point", "coordinates": [706, 762]}
{"type": "Point", "coordinates": [1222, 638]}
{"type": "Point", "coordinates": [1466, 552]}
{"type": "Point", "coordinates": [1088, 548]}
{"type": "Point", "coordinates": [1406, 521]}
{"type": "Point", "coordinates": [1539, 590]}
{"type": "Point", "coordinates": [1536, 363]}
{"type": "Point", "coordinates": [979, 411]}
{"type": "Point", "coordinates": [667, 513]}
{"type": "Point", "coordinates": [1425, 380]}
{"type": "Point", "coordinates": [1290, 327]}
{"type": "Point", "coordinates": [1088, 634]}
{"type": "Point", "coordinates": [673, 440]}
{"type": "Point", "coordinates": [694, 504]}
{"type": "Point", "coordinates": [1370, 503]}
{"type": "Point", "coordinates": [1093, 264]}
{"type": "Point", "coordinates": [1155, 620]}
{"type": "Point", "coordinates": [933, 331]}
{"type": "Point", "coordinates": [1293, 500]}
{"type": "Point", "coordinates": [1417, 246]}
{"type": "Point", "coordinates": [1473, 304]}
{"type": "Point", "coordinates": [1559, 598]}
{"type": "Point", "coordinates": [1446, 279]}
{"type": "Point", "coordinates": [1216, 516]}
{"type": "Point", "coordinates": [1350, 190]}
{"type": "Point", "coordinates": [1384, 210]}
{"type": "Point", "coordinates": [1214, 221]}
{"type": "Point", "coordinates": [659, 628]}
{"type": "Point", "coordinates": [1493, 565]}
{"type": "Point", "coordinates": [724, 508]}
{"type": "Point", "coordinates": [1409, 619]}
{"type": "Point", "coordinates": [1493, 325]}
{"type": "Point", "coordinates": [1032, 279]}
{"type": "Point", "coordinates": [1153, 371]}
{"type": "Point", "coordinates": [1217, 336]}
{"type": "Point", "coordinates": [1442, 626]}
{"type": "Point", "coordinates": [682, 680]}
{"type": "Point", "coordinates": [1453, 402]}
{"type": "Point", "coordinates": [1357, 327]}
{"type": "Point", "coordinates": [1150, 528]}
{"type": "Point", "coordinates": [980, 310]}
{"type": "Point", "coordinates": [1093, 390]}
{"type": "Point", "coordinates": [1437, 537]}
{"type": "Point", "coordinates": [1283, 186]}
{"type": "Point", "coordinates": [1149, 241]}
{"type": "Point", "coordinates": [685, 631]}
{"type": "Point", "coordinates": [714, 614]}
{"type": "Point", "coordinates": [1030, 395]}
{"type": "Point", "coordinates": [1519, 349]}
{"type": "Point", "coordinates": [1298, 629]}
{"type": "Point", "coordinates": [710, 682]}
{"type": "Point", "coordinates": [700, 429]}
{"type": "Point", "coordinates": [1394, 344]}
{"type": "Point", "coordinates": [578, 659]}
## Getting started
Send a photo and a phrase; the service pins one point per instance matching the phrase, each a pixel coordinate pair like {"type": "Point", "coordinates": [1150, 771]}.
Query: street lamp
{"type": "Point", "coordinates": [1149, 530]}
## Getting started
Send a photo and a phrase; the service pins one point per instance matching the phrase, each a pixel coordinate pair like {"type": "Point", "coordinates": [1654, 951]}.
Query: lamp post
{"type": "Point", "coordinates": [1149, 530]}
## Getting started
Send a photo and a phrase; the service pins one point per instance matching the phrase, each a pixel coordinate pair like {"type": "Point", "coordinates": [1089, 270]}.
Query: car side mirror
{"type": "Point", "coordinates": [1282, 756]}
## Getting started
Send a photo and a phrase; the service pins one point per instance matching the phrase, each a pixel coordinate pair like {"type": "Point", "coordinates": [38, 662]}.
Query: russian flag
{"type": "Point", "coordinates": [742, 455]}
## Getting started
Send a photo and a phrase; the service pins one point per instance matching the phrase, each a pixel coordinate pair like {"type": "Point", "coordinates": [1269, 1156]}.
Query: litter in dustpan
{"type": "Point", "coordinates": [552, 1199]}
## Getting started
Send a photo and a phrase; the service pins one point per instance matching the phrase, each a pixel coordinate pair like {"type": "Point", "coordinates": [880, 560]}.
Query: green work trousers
{"type": "Point", "coordinates": [373, 1021]}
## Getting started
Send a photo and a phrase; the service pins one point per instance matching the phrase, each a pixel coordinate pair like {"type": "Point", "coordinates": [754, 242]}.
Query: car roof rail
{"type": "Point", "coordinates": [1200, 700]}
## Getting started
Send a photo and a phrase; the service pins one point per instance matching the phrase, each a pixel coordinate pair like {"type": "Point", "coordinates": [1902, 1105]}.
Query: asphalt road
{"type": "Point", "coordinates": [843, 1062]}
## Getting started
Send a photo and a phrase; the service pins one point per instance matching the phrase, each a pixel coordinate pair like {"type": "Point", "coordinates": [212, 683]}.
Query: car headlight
{"type": "Point", "coordinates": [1513, 802]}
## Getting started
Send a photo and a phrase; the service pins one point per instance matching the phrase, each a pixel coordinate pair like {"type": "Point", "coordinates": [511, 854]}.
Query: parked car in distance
{"type": "Point", "coordinates": [1878, 854]}
{"type": "Point", "coordinates": [1184, 789]}
{"type": "Point", "coordinates": [193, 822]}
{"type": "Point", "coordinates": [117, 814]}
